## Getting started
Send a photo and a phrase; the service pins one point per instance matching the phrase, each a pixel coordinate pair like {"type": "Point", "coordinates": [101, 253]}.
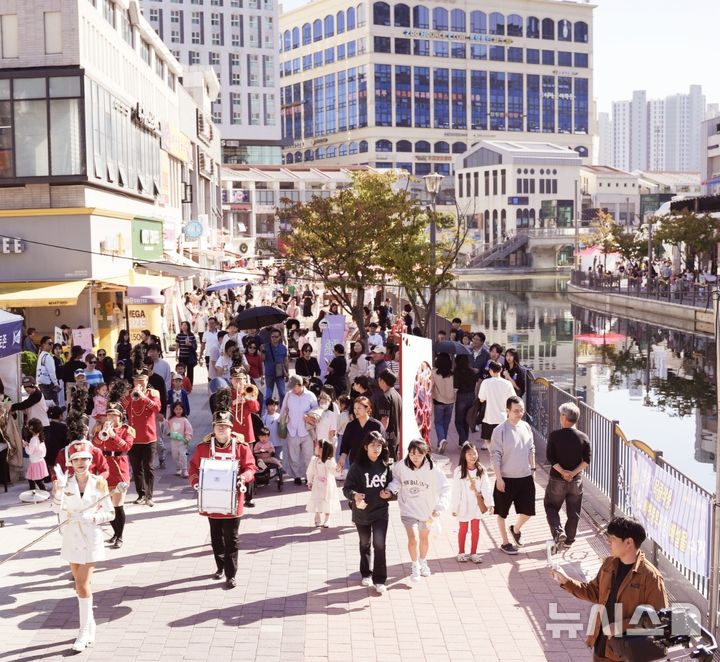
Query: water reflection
{"type": "Point", "coordinates": [658, 383]}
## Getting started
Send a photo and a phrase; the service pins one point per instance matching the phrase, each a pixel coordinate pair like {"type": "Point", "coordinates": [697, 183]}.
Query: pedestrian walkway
{"type": "Point", "coordinates": [298, 595]}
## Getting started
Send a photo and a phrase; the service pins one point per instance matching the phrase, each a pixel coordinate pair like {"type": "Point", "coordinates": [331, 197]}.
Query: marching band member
{"type": "Point", "coordinates": [115, 439]}
{"type": "Point", "coordinates": [82, 502]}
{"type": "Point", "coordinates": [141, 406]}
{"type": "Point", "coordinates": [224, 528]}
{"type": "Point", "coordinates": [244, 395]}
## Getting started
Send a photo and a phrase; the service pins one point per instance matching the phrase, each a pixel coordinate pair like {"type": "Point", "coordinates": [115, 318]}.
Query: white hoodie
{"type": "Point", "coordinates": [420, 491]}
{"type": "Point", "coordinates": [464, 501]}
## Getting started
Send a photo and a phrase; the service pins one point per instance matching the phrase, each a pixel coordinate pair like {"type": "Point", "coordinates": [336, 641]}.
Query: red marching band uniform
{"type": "Point", "coordinates": [115, 449]}
{"type": "Point", "coordinates": [98, 464]}
{"type": "Point", "coordinates": [141, 416]}
{"type": "Point", "coordinates": [242, 410]}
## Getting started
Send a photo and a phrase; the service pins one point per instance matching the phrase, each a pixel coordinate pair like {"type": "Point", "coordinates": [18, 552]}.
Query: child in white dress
{"type": "Point", "coordinates": [324, 495]}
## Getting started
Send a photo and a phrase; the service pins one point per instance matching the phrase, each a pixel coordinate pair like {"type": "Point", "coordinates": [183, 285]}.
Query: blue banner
{"type": "Point", "coordinates": [333, 333]}
{"type": "Point", "coordinates": [674, 515]}
{"type": "Point", "coordinates": [11, 338]}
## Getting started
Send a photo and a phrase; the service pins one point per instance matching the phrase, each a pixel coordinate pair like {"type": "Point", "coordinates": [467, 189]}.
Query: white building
{"type": "Point", "coordinates": [638, 131]}
{"type": "Point", "coordinates": [611, 190]}
{"type": "Point", "coordinates": [239, 40]}
{"type": "Point", "coordinates": [106, 158]}
{"type": "Point", "coordinates": [711, 160]}
{"type": "Point", "coordinates": [621, 124]}
{"type": "Point", "coordinates": [390, 84]}
{"type": "Point", "coordinates": [655, 134]}
{"type": "Point", "coordinates": [604, 152]}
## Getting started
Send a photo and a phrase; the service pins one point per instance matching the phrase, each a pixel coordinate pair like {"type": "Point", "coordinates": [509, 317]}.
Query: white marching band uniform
{"type": "Point", "coordinates": [82, 537]}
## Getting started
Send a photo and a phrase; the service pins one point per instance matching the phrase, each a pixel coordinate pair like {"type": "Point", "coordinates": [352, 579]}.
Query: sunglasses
{"type": "Point", "coordinates": [92, 362]}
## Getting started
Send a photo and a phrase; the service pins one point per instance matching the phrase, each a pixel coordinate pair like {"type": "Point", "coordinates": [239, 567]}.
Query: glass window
{"type": "Point", "coordinates": [317, 30]}
{"type": "Point", "coordinates": [478, 52]}
{"type": "Point", "coordinates": [422, 169]}
{"type": "Point", "coordinates": [31, 138]}
{"type": "Point", "coordinates": [421, 47]}
{"type": "Point", "coordinates": [515, 54]}
{"type": "Point", "coordinates": [515, 102]}
{"type": "Point", "coordinates": [441, 147]}
{"type": "Point", "coordinates": [441, 49]}
{"type": "Point", "coordinates": [565, 32]}
{"type": "Point", "coordinates": [479, 100]}
{"type": "Point", "coordinates": [53, 32]}
{"type": "Point", "coordinates": [381, 44]}
{"type": "Point", "coordinates": [402, 46]}
{"type": "Point", "coordinates": [459, 148]}
{"type": "Point", "coordinates": [65, 137]}
{"type": "Point", "coordinates": [497, 23]}
{"type": "Point", "coordinates": [9, 34]}
{"type": "Point", "coordinates": [581, 32]}
{"type": "Point", "coordinates": [329, 26]}
{"type": "Point", "coordinates": [548, 28]}
{"type": "Point", "coordinates": [533, 27]}
{"type": "Point", "coordinates": [514, 25]}
{"type": "Point", "coordinates": [360, 12]}
{"type": "Point", "coordinates": [341, 51]}
{"type": "Point", "coordinates": [581, 105]}
{"type": "Point", "coordinates": [421, 17]}
{"type": "Point", "coordinates": [564, 59]}
{"type": "Point", "coordinates": [350, 15]}
{"type": "Point", "coordinates": [286, 40]}
{"type": "Point", "coordinates": [457, 20]}
{"type": "Point", "coordinates": [383, 146]}
{"type": "Point", "coordinates": [440, 19]}
{"type": "Point", "coordinates": [329, 55]}
{"type": "Point", "coordinates": [497, 53]}
{"type": "Point", "coordinates": [295, 37]}
{"type": "Point", "coordinates": [403, 146]}
{"type": "Point", "coordinates": [401, 16]}
{"type": "Point", "coordinates": [29, 88]}
{"type": "Point", "coordinates": [381, 13]}
{"type": "Point", "coordinates": [548, 104]}
{"type": "Point", "coordinates": [317, 59]}
{"type": "Point", "coordinates": [342, 151]}
{"type": "Point", "coordinates": [533, 103]}
{"type": "Point", "coordinates": [548, 57]}
{"type": "Point", "coordinates": [340, 22]}
{"type": "Point", "coordinates": [4, 88]}
{"type": "Point", "coordinates": [64, 86]}
{"type": "Point", "coordinates": [459, 99]}
{"type": "Point", "coordinates": [306, 34]}
{"type": "Point", "coordinates": [581, 60]}
{"type": "Point", "coordinates": [459, 51]}
{"type": "Point", "coordinates": [532, 55]}
{"type": "Point", "coordinates": [422, 97]}
{"type": "Point", "coordinates": [478, 22]}
{"type": "Point", "coordinates": [422, 147]}
{"type": "Point", "coordinates": [6, 138]}
{"type": "Point", "coordinates": [564, 104]}
{"type": "Point", "coordinates": [441, 98]}
{"type": "Point", "coordinates": [497, 101]}
{"type": "Point", "coordinates": [351, 49]}
{"type": "Point", "coordinates": [403, 96]}
{"type": "Point", "coordinates": [383, 95]}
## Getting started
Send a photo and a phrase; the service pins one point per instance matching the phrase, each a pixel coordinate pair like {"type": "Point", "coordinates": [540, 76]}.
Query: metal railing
{"type": "Point", "coordinates": [611, 468]}
{"type": "Point", "coordinates": [678, 291]}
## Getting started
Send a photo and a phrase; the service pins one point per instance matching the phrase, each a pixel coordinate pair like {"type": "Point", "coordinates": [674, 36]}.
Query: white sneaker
{"type": "Point", "coordinates": [476, 558]}
{"type": "Point", "coordinates": [425, 569]}
{"type": "Point", "coordinates": [462, 558]}
{"type": "Point", "coordinates": [415, 573]}
{"type": "Point", "coordinates": [366, 581]}
{"type": "Point", "coordinates": [442, 447]}
{"type": "Point", "coordinates": [381, 588]}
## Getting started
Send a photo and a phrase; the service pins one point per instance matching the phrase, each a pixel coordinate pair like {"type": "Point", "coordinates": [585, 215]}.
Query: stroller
{"type": "Point", "coordinates": [265, 473]}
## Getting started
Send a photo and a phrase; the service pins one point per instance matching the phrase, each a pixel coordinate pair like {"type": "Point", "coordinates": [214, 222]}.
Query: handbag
{"type": "Point", "coordinates": [480, 498]}
{"type": "Point", "coordinates": [282, 427]}
{"type": "Point", "coordinates": [279, 367]}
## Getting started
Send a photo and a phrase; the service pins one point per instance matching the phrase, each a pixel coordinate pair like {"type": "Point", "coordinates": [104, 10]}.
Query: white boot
{"type": "Point", "coordinates": [84, 639]}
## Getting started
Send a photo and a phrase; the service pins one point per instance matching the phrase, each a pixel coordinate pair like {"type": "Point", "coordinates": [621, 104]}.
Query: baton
{"type": "Point", "coordinates": [121, 488]}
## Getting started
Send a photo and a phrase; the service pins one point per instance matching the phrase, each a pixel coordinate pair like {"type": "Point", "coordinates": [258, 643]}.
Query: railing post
{"type": "Point", "coordinates": [655, 547]}
{"type": "Point", "coordinates": [552, 406]}
{"type": "Point", "coordinates": [614, 468]}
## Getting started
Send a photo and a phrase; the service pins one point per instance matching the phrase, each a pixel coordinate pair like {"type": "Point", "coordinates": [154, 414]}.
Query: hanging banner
{"type": "Point", "coordinates": [83, 337]}
{"type": "Point", "coordinates": [415, 389]}
{"type": "Point", "coordinates": [11, 338]}
{"type": "Point", "coordinates": [58, 336]}
{"type": "Point", "coordinates": [674, 515]}
{"type": "Point", "coordinates": [333, 332]}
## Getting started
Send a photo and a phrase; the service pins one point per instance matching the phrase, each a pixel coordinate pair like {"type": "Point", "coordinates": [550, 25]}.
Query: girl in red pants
{"type": "Point", "coordinates": [470, 480]}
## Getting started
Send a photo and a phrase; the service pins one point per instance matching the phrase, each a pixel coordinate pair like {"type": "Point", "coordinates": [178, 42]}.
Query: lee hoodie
{"type": "Point", "coordinates": [420, 491]}
{"type": "Point", "coordinates": [368, 479]}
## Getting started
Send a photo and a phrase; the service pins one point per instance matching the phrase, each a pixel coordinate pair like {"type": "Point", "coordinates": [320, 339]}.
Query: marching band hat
{"type": "Point", "coordinates": [80, 449]}
{"type": "Point", "coordinates": [141, 373]}
{"type": "Point", "coordinates": [237, 371]}
{"type": "Point", "coordinates": [223, 418]}
{"type": "Point", "coordinates": [115, 408]}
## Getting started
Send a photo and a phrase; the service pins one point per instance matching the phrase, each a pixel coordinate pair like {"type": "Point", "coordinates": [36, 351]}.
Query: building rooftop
{"type": "Point", "coordinates": [672, 178]}
{"type": "Point", "coordinates": [607, 170]}
{"type": "Point", "coordinates": [528, 147]}
{"type": "Point", "coordinates": [291, 172]}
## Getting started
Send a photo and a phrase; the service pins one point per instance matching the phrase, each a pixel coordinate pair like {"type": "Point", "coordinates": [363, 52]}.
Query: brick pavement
{"type": "Point", "coordinates": [298, 595]}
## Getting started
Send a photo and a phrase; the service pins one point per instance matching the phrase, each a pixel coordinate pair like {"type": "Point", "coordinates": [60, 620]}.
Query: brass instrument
{"type": "Point", "coordinates": [135, 395]}
{"type": "Point", "coordinates": [251, 392]}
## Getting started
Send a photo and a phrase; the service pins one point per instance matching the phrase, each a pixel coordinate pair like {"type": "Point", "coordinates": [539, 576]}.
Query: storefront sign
{"type": "Point", "coordinates": [139, 318]}
{"type": "Point", "coordinates": [241, 207]}
{"type": "Point", "coordinates": [145, 119]}
{"type": "Point", "coordinates": [231, 196]}
{"type": "Point", "coordinates": [432, 157]}
{"type": "Point", "coordinates": [147, 239]}
{"type": "Point", "coordinates": [454, 36]}
{"type": "Point", "coordinates": [175, 143]}
{"type": "Point", "coordinates": [9, 245]}
{"type": "Point", "coordinates": [193, 229]}
{"type": "Point", "coordinates": [83, 337]}
{"type": "Point", "coordinates": [11, 338]}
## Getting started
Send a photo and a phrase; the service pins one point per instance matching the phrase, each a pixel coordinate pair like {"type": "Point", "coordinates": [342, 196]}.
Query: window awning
{"type": "Point", "coordinates": [41, 293]}
{"type": "Point", "coordinates": [135, 279]}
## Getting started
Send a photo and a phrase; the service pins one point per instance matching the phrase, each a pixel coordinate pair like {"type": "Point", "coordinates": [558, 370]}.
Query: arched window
{"type": "Point", "coordinates": [421, 17]}
{"type": "Point", "coordinates": [306, 34]}
{"type": "Point", "coordinates": [289, 158]}
{"type": "Point", "coordinates": [401, 17]}
{"type": "Point", "coordinates": [308, 155]}
{"type": "Point", "coordinates": [581, 32]}
{"type": "Point", "coordinates": [564, 30]}
{"type": "Point", "coordinates": [320, 153]}
{"type": "Point", "coordinates": [422, 146]}
{"type": "Point", "coordinates": [317, 29]}
{"type": "Point", "coordinates": [532, 30]}
{"type": "Point", "coordinates": [514, 25]}
{"type": "Point", "coordinates": [442, 169]}
{"type": "Point", "coordinates": [329, 26]}
{"type": "Point", "coordinates": [581, 150]}
{"type": "Point", "coordinates": [497, 23]}
{"type": "Point", "coordinates": [531, 222]}
{"type": "Point", "coordinates": [518, 218]}
{"type": "Point", "coordinates": [383, 146]}
{"type": "Point", "coordinates": [548, 28]}
{"type": "Point", "coordinates": [403, 146]}
{"type": "Point", "coordinates": [343, 150]}
{"type": "Point", "coordinates": [351, 18]}
{"type": "Point", "coordinates": [298, 157]}
{"type": "Point", "coordinates": [296, 37]}
{"type": "Point", "coordinates": [331, 152]}
{"type": "Point", "coordinates": [478, 22]}
{"type": "Point", "coordinates": [360, 13]}
{"type": "Point", "coordinates": [381, 13]}
{"type": "Point", "coordinates": [353, 148]}
{"type": "Point", "coordinates": [286, 40]}
{"type": "Point", "coordinates": [457, 20]}
{"type": "Point", "coordinates": [363, 146]}
{"type": "Point", "coordinates": [459, 148]}
{"type": "Point", "coordinates": [340, 22]}
{"type": "Point", "coordinates": [503, 223]}
{"type": "Point", "coordinates": [440, 18]}
{"type": "Point", "coordinates": [441, 147]}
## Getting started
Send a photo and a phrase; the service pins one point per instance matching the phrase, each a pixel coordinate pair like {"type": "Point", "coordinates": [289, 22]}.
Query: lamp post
{"type": "Point", "coordinates": [432, 186]}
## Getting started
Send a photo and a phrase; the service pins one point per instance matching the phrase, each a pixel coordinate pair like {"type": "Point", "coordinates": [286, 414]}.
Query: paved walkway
{"type": "Point", "coordinates": [298, 595]}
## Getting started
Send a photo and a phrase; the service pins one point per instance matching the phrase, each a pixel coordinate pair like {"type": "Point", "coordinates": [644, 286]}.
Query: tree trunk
{"type": "Point", "coordinates": [358, 314]}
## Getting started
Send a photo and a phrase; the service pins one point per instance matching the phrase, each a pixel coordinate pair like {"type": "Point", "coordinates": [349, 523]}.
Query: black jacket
{"type": "Point", "coordinates": [370, 480]}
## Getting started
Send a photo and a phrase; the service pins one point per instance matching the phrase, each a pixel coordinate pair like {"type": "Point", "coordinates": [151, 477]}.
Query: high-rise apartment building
{"type": "Point", "coordinates": [390, 84]}
{"type": "Point", "coordinates": [604, 152]}
{"type": "Point", "coordinates": [238, 38]}
{"type": "Point", "coordinates": [638, 131]}
{"type": "Point", "coordinates": [621, 126]}
{"type": "Point", "coordinates": [655, 135]}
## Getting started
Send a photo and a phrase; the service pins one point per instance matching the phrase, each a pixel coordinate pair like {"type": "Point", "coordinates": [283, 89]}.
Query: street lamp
{"type": "Point", "coordinates": [432, 186]}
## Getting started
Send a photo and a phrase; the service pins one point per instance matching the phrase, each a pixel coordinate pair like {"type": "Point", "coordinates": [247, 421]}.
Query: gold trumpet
{"type": "Point", "coordinates": [251, 392]}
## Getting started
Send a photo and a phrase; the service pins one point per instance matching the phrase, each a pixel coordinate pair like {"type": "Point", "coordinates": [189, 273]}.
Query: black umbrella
{"type": "Point", "coordinates": [259, 316]}
{"type": "Point", "coordinates": [450, 347]}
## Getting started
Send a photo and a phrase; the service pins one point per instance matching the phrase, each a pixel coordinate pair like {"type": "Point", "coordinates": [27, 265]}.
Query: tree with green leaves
{"type": "Point", "coordinates": [695, 235]}
{"type": "Point", "coordinates": [614, 238]}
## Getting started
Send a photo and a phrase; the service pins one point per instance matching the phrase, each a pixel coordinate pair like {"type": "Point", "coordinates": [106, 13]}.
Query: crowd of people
{"type": "Point", "coordinates": [279, 412]}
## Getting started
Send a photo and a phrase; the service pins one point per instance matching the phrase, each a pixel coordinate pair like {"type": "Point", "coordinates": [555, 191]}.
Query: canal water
{"type": "Point", "coordinates": [659, 383]}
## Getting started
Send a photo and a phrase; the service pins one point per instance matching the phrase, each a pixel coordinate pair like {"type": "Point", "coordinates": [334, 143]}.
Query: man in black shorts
{"type": "Point", "coordinates": [512, 453]}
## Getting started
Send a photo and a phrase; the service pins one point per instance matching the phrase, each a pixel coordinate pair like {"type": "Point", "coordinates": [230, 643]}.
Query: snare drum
{"type": "Point", "coordinates": [217, 486]}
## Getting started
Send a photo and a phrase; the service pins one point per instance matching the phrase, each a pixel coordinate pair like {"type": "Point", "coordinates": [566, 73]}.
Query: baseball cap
{"type": "Point", "coordinates": [28, 381]}
{"type": "Point", "coordinates": [80, 372]}
{"type": "Point", "coordinates": [378, 349]}
{"type": "Point", "coordinates": [54, 411]}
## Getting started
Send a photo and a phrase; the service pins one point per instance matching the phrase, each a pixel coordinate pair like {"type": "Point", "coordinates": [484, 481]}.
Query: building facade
{"type": "Point", "coordinates": [621, 127]}
{"type": "Point", "coordinates": [711, 160]}
{"type": "Point", "coordinates": [106, 157]}
{"type": "Point", "coordinates": [238, 39]}
{"type": "Point", "coordinates": [412, 86]}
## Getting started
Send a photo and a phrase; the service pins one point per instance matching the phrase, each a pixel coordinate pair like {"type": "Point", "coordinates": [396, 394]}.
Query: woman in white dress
{"type": "Point", "coordinates": [83, 503]}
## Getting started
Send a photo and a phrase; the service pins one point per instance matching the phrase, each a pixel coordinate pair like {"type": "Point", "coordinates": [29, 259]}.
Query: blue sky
{"type": "Point", "coordinates": [662, 46]}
